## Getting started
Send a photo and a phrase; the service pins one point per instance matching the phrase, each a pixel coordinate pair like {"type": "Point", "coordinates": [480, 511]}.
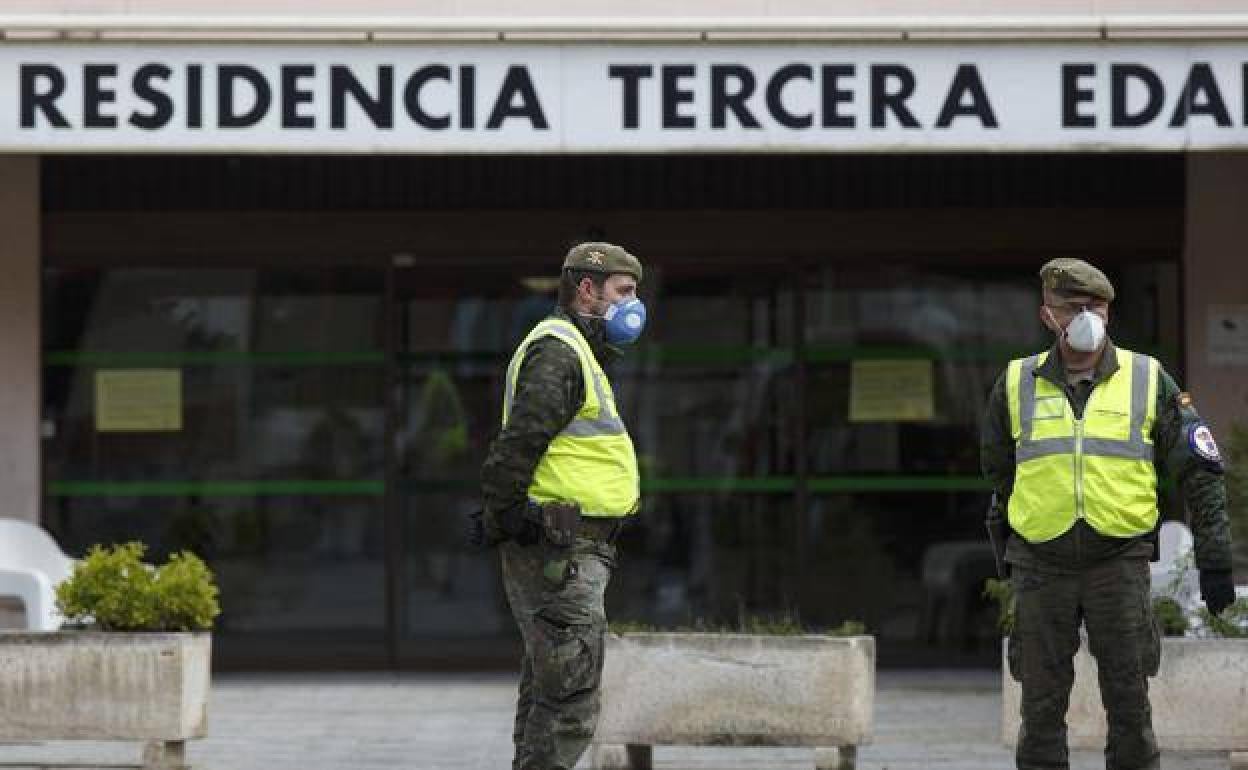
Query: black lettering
{"type": "Point", "coordinates": [724, 100]}
{"type": "Point", "coordinates": [1073, 95]}
{"type": "Point", "coordinates": [411, 97]}
{"type": "Point", "coordinates": [293, 95]}
{"type": "Point", "coordinates": [967, 82]}
{"type": "Point", "coordinates": [1200, 81]}
{"type": "Point", "coordinates": [467, 96]}
{"type": "Point", "coordinates": [517, 83]}
{"type": "Point", "coordinates": [162, 105]}
{"type": "Point", "coordinates": [380, 110]}
{"type": "Point", "coordinates": [631, 75]}
{"type": "Point", "coordinates": [227, 76]}
{"type": "Point", "coordinates": [95, 96]}
{"type": "Point", "coordinates": [195, 96]}
{"type": "Point", "coordinates": [834, 96]}
{"type": "Point", "coordinates": [883, 100]}
{"type": "Point", "coordinates": [674, 96]}
{"type": "Point", "coordinates": [1120, 77]}
{"type": "Point", "coordinates": [775, 88]}
{"type": "Point", "coordinates": [35, 100]}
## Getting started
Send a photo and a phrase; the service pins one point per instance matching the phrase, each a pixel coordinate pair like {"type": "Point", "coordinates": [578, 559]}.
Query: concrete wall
{"type": "Point", "coordinates": [626, 8]}
{"type": "Point", "coordinates": [1215, 273]}
{"type": "Point", "coordinates": [19, 337]}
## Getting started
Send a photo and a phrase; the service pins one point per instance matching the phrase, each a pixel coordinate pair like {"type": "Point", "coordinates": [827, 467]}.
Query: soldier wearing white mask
{"type": "Point", "coordinates": [1073, 442]}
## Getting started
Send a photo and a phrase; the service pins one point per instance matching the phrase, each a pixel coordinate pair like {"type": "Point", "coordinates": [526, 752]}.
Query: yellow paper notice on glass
{"type": "Point", "coordinates": [138, 400]}
{"type": "Point", "coordinates": [891, 391]}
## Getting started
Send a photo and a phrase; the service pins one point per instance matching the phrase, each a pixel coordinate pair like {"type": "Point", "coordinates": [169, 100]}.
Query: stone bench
{"type": "Point", "coordinates": [149, 688]}
{"type": "Point", "coordinates": [708, 689]}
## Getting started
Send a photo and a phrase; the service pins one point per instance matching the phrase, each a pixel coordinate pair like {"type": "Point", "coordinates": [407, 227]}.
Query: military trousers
{"type": "Point", "coordinates": [556, 597]}
{"type": "Point", "coordinates": [1111, 599]}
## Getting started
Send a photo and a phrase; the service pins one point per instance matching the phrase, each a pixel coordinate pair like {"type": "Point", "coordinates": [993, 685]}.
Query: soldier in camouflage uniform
{"type": "Point", "coordinates": [557, 553]}
{"type": "Point", "coordinates": [1068, 571]}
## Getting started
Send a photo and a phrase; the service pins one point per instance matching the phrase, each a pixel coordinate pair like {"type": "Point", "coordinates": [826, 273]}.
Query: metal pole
{"type": "Point", "coordinates": [392, 524]}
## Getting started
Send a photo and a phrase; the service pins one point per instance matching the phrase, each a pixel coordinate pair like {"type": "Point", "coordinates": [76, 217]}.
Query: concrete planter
{"type": "Point", "coordinates": [698, 689]}
{"type": "Point", "coordinates": [82, 685]}
{"type": "Point", "coordinates": [1199, 698]}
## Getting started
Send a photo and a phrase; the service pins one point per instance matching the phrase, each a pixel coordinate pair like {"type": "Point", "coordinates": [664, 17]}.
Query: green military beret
{"type": "Point", "coordinates": [603, 258]}
{"type": "Point", "coordinates": [1071, 277]}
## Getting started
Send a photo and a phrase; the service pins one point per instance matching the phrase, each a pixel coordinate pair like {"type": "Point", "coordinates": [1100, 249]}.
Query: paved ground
{"type": "Point", "coordinates": [928, 719]}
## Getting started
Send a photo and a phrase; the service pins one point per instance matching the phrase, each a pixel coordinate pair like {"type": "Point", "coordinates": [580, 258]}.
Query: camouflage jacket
{"type": "Point", "coordinates": [550, 389]}
{"type": "Point", "coordinates": [1200, 480]}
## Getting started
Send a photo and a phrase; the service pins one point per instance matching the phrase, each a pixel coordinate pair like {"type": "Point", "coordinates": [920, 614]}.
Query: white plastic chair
{"type": "Point", "coordinates": [1175, 543]}
{"type": "Point", "coordinates": [31, 566]}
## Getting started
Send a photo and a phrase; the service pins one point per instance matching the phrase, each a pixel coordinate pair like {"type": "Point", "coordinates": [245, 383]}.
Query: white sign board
{"type": "Point", "coordinates": [587, 98]}
{"type": "Point", "coordinates": [1228, 335]}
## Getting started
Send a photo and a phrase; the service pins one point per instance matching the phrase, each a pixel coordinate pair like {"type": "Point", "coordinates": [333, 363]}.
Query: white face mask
{"type": "Point", "coordinates": [1086, 332]}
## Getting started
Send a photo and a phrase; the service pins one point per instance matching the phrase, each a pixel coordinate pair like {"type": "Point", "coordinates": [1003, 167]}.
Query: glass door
{"type": "Point", "coordinates": [239, 414]}
{"type": "Point", "coordinates": [315, 434]}
{"type": "Point", "coordinates": [453, 329]}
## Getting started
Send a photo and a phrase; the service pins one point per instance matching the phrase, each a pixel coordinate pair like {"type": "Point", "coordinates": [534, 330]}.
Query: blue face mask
{"type": "Point", "coordinates": [625, 321]}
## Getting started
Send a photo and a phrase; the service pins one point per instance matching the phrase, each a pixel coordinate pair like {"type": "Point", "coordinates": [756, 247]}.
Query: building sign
{"type": "Point", "coordinates": [1227, 335]}
{"type": "Point", "coordinates": [891, 391]}
{"type": "Point", "coordinates": [622, 98]}
{"type": "Point", "coordinates": [138, 400]}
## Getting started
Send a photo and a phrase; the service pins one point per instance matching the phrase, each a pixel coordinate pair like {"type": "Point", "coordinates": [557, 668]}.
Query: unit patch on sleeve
{"type": "Point", "coordinates": [1200, 438]}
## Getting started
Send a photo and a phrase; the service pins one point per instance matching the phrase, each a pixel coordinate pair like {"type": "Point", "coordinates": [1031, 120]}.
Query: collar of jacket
{"type": "Point", "coordinates": [1054, 370]}
{"type": "Point", "coordinates": [594, 331]}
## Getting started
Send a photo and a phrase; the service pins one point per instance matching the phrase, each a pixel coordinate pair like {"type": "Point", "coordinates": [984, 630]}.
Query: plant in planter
{"type": "Point", "coordinates": [1237, 494]}
{"type": "Point", "coordinates": [1170, 617]}
{"type": "Point", "coordinates": [134, 665]}
{"type": "Point", "coordinates": [762, 682]}
{"type": "Point", "coordinates": [114, 590]}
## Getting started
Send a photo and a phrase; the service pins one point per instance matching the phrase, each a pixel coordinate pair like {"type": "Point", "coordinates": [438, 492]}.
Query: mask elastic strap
{"type": "Point", "coordinates": [1053, 318]}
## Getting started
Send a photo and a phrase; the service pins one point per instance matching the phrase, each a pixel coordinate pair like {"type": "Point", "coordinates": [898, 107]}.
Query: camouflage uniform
{"type": "Point", "coordinates": [1103, 582]}
{"type": "Point", "coordinates": [556, 596]}
{"type": "Point", "coordinates": [556, 593]}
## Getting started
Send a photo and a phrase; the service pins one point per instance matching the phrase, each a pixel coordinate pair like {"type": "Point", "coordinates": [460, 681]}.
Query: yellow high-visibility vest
{"type": "Point", "coordinates": [1099, 468]}
{"type": "Point", "coordinates": [591, 462]}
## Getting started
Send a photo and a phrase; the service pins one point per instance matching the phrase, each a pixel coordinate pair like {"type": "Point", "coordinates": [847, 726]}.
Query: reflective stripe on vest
{"type": "Point", "coordinates": [604, 425]}
{"type": "Point", "coordinates": [591, 461]}
{"type": "Point", "coordinates": [1099, 467]}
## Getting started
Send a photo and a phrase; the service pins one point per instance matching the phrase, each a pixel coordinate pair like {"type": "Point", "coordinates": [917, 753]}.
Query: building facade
{"type": "Point", "coordinates": [266, 264]}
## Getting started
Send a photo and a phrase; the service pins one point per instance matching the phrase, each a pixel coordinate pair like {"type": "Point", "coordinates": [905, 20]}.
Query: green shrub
{"type": "Point", "coordinates": [1232, 623]}
{"type": "Point", "coordinates": [632, 627]}
{"type": "Point", "coordinates": [1169, 614]}
{"type": "Point", "coordinates": [112, 589]}
{"type": "Point", "coordinates": [849, 628]}
{"type": "Point", "coordinates": [1237, 488]}
{"type": "Point", "coordinates": [786, 624]}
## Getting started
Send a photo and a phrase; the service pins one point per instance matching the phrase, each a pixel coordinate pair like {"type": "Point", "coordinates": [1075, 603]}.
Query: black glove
{"type": "Point", "coordinates": [517, 524]}
{"type": "Point", "coordinates": [1217, 588]}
